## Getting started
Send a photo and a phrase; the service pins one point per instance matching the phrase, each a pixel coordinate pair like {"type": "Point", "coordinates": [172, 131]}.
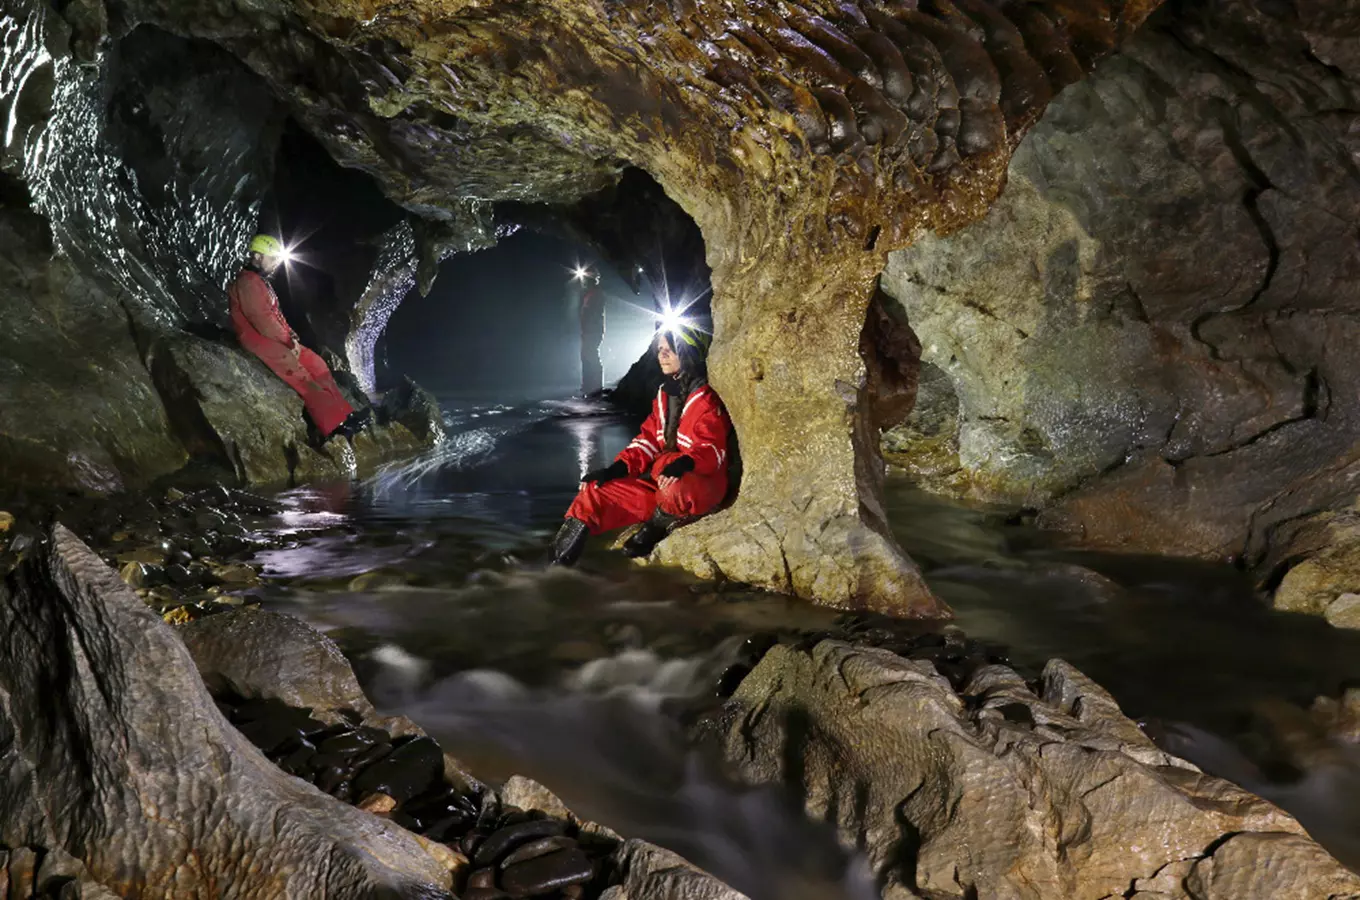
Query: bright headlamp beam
{"type": "Point", "coordinates": [672, 321]}
{"type": "Point", "coordinates": [580, 273]}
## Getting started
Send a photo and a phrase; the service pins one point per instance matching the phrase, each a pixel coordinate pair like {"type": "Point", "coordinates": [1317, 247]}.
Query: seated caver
{"type": "Point", "coordinates": [674, 471]}
{"type": "Point", "coordinates": [261, 329]}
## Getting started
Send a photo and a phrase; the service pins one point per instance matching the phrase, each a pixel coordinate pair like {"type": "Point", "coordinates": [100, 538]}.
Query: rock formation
{"type": "Point", "coordinates": [134, 178]}
{"type": "Point", "coordinates": [116, 755]}
{"type": "Point", "coordinates": [120, 777]}
{"type": "Point", "coordinates": [1006, 790]}
{"type": "Point", "coordinates": [1144, 337]}
{"type": "Point", "coordinates": [806, 141]}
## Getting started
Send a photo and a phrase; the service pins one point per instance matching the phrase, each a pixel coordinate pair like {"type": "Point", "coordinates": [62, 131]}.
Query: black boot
{"type": "Point", "coordinates": [645, 539]}
{"type": "Point", "coordinates": [315, 439]}
{"type": "Point", "coordinates": [354, 422]}
{"type": "Point", "coordinates": [569, 542]}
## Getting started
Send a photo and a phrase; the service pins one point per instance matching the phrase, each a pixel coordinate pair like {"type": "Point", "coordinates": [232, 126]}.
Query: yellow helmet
{"type": "Point", "coordinates": [267, 245]}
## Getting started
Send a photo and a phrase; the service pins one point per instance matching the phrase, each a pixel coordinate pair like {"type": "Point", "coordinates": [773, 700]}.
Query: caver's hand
{"type": "Point", "coordinates": [675, 470]}
{"type": "Point", "coordinates": [619, 469]}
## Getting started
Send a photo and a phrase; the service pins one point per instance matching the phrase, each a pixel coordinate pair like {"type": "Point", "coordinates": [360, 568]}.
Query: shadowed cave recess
{"type": "Point", "coordinates": [1038, 572]}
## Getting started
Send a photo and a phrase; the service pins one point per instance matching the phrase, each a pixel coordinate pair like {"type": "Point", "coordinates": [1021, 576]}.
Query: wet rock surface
{"type": "Point", "coordinates": [1140, 337]}
{"type": "Point", "coordinates": [77, 407]}
{"type": "Point", "coordinates": [126, 742]}
{"type": "Point", "coordinates": [132, 180]}
{"type": "Point", "coordinates": [870, 125]}
{"type": "Point", "coordinates": [1005, 787]}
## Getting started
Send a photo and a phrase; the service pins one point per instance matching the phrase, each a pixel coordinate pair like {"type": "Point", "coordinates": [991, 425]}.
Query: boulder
{"type": "Point", "coordinates": [1003, 789]}
{"type": "Point", "coordinates": [116, 754]}
{"type": "Point", "coordinates": [254, 653]}
{"type": "Point", "coordinates": [229, 408]}
{"type": "Point", "coordinates": [1319, 558]}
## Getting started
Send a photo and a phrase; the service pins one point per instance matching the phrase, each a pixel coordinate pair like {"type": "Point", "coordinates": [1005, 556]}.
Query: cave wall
{"type": "Point", "coordinates": [1147, 335]}
{"type": "Point", "coordinates": [133, 169]}
{"type": "Point", "coordinates": [806, 140]}
{"type": "Point", "coordinates": [77, 406]}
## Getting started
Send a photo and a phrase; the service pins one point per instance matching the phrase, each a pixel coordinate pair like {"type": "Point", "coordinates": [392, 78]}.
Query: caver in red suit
{"type": "Point", "coordinates": [701, 434]}
{"type": "Point", "coordinates": [262, 329]}
{"type": "Point", "coordinates": [674, 470]}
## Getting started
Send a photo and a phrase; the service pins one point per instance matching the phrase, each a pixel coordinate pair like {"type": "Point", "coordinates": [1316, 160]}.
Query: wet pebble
{"type": "Point", "coordinates": [535, 849]}
{"type": "Point", "coordinates": [350, 743]}
{"type": "Point", "coordinates": [544, 874]}
{"type": "Point", "coordinates": [270, 735]}
{"type": "Point", "coordinates": [509, 837]}
{"type": "Point", "coordinates": [408, 770]}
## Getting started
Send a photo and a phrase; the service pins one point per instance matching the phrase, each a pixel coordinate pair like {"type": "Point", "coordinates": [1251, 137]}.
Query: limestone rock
{"type": "Point", "coordinates": [231, 409]}
{"type": "Point", "coordinates": [255, 653]}
{"type": "Point", "coordinates": [1322, 555]}
{"type": "Point", "coordinates": [529, 794]}
{"type": "Point", "coordinates": [1269, 865]}
{"type": "Point", "coordinates": [77, 407]}
{"type": "Point", "coordinates": [999, 791]}
{"type": "Point", "coordinates": [1145, 332]}
{"type": "Point", "coordinates": [863, 125]}
{"type": "Point", "coordinates": [117, 755]}
{"type": "Point", "coordinates": [651, 873]}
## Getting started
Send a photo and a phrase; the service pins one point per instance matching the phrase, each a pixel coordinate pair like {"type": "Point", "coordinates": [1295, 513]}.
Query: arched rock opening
{"type": "Point", "coordinates": [806, 142]}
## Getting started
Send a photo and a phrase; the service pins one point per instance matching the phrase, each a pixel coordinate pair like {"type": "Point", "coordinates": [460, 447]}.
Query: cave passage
{"type": "Point", "coordinates": [503, 323]}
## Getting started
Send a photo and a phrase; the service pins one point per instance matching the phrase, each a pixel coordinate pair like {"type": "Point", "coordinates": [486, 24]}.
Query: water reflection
{"type": "Point", "coordinates": [528, 668]}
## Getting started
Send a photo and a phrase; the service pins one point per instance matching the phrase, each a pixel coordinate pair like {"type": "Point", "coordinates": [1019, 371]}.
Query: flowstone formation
{"type": "Point", "coordinates": [806, 141]}
{"type": "Point", "coordinates": [1144, 338]}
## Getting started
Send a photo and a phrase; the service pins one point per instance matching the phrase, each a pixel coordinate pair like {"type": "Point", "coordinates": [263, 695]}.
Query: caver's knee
{"type": "Point", "coordinates": [675, 500]}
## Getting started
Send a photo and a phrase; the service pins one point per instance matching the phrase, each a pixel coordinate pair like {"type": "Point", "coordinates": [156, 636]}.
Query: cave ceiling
{"type": "Point", "coordinates": [819, 121]}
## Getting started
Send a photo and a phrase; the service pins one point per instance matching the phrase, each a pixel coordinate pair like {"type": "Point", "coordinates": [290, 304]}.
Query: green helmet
{"type": "Point", "coordinates": [691, 345]}
{"type": "Point", "coordinates": [694, 336]}
{"type": "Point", "coordinates": [267, 245]}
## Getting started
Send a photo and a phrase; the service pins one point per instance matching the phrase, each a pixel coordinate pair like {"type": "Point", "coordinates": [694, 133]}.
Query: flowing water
{"type": "Point", "coordinates": [431, 576]}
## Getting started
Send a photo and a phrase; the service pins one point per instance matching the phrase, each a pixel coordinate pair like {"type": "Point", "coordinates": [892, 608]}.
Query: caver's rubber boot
{"type": "Point", "coordinates": [315, 439]}
{"type": "Point", "coordinates": [569, 543]}
{"type": "Point", "coordinates": [354, 422]}
{"type": "Point", "coordinates": [645, 539]}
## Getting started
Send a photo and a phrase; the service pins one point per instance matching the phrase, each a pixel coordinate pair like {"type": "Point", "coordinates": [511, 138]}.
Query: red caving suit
{"type": "Point", "coordinates": [262, 329]}
{"type": "Point", "coordinates": [701, 435]}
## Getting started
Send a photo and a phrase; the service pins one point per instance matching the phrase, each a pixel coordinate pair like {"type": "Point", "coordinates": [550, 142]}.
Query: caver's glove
{"type": "Point", "coordinates": [619, 469]}
{"type": "Point", "coordinates": [677, 467]}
